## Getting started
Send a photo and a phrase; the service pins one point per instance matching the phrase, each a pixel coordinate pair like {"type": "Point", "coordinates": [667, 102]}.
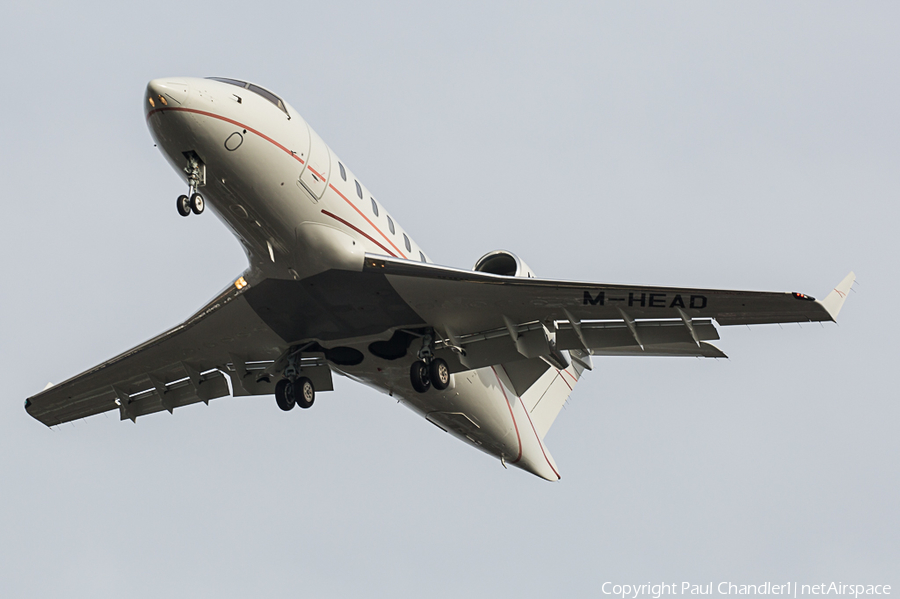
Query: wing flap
{"type": "Point", "coordinates": [704, 350]}
{"type": "Point", "coordinates": [490, 348]}
{"type": "Point", "coordinates": [610, 334]}
{"type": "Point", "coordinates": [177, 395]}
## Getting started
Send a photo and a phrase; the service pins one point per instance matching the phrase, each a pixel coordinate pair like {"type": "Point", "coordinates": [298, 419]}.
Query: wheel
{"type": "Point", "coordinates": [184, 205]}
{"type": "Point", "coordinates": [284, 395]}
{"type": "Point", "coordinates": [197, 204]}
{"type": "Point", "coordinates": [304, 392]}
{"type": "Point", "coordinates": [439, 373]}
{"type": "Point", "coordinates": [418, 376]}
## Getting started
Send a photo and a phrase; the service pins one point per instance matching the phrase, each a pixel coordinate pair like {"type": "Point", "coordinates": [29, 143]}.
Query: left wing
{"type": "Point", "coordinates": [479, 313]}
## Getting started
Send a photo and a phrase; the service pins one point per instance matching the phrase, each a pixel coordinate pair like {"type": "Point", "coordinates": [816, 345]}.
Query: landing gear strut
{"type": "Point", "coordinates": [429, 371]}
{"type": "Point", "coordinates": [193, 202]}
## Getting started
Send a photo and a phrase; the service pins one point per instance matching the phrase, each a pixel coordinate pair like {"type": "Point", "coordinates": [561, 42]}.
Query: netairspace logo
{"type": "Point", "coordinates": [789, 589]}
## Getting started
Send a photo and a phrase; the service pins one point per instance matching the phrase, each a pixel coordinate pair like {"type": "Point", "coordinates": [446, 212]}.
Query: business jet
{"type": "Point", "coordinates": [335, 285]}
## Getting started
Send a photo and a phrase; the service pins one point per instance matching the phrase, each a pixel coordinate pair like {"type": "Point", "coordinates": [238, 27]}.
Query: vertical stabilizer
{"type": "Point", "coordinates": [546, 397]}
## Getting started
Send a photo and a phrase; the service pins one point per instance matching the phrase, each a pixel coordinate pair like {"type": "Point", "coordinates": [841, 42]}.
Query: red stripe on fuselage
{"type": "Point", "coordinates": [358, 230]}
{"type": "Point", "coordinates": [541, 443]}
{"type": "Point", "coordinates": [572, 376]}
{"type": "Point", "coordinates": [358, 211]}
{"type": "Point", "coordinates": [561, 372]}
{"type": "Point", "coordinates": [518, 438]}
{"type": "Point", "coordinates": [233, 122]}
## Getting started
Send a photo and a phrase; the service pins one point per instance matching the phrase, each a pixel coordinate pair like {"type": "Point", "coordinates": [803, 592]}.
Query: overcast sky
{"type": "Point", "coordinates": [748, 146]}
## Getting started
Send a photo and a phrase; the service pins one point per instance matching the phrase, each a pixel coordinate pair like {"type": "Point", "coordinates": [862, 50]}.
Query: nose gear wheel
{"type": "Point", "coordinates": [197, 203]}
{"type": "Point", "coordinates": [184, 205]}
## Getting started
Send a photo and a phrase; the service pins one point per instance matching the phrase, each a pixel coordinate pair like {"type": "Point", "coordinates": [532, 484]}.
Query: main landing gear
{"type": "Point", "coordinates": [294, 389]}
{"type": "Point", "coordinates": [193, 202]}
{"type": "Point", "coordinates": [298, 392]}
{"type": "Point", "coordinates": [429, 371]}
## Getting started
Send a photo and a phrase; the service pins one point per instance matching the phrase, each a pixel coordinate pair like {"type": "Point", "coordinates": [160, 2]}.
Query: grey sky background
{"type": "Point", "coordinates": [711, 144]}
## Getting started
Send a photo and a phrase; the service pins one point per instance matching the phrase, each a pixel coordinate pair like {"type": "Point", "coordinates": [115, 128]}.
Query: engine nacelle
{"type": "Point", "coordinates": [501, 262]}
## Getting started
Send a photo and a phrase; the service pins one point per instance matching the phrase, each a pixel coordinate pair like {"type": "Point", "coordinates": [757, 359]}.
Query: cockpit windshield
{"type": "Point", "coordinates": [231, 81]}
{"type": "Point", "coordinates": [256, 90]}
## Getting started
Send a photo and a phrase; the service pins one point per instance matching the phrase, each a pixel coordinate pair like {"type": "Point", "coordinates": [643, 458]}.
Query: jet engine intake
{"type": "Point", "coordinates": [502, 262]}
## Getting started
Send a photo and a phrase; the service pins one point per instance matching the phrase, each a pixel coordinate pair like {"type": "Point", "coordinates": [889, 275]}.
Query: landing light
{"type": "Point", "coordinates": [163, 100]}
{"type": "Point", "coordinates": [152, 104]}
{"type": "Point", "coordinates": [240, 283]}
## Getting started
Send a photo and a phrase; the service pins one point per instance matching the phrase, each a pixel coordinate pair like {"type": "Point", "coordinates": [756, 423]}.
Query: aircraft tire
{"type": "Point", "coordinates": [418, 376]}
{"type": "Point", "coordinates": [197, 203]}
{"type": "Point", "coordinates": [184, 205]}
{"type": "Point", "coordinates": [304, 392]}
{"type": "Point", "coordinates": [439, 374]}
{"type": "Point", "coordinates": [284, 395]}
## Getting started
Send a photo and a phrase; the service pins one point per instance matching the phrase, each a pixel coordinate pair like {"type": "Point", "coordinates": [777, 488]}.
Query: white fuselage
{"type": "Point", "coordinates": [299, 211]}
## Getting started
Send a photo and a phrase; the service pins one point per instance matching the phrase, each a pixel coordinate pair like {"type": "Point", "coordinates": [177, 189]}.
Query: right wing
{"type": "Point", "coordinates": [184, 365]}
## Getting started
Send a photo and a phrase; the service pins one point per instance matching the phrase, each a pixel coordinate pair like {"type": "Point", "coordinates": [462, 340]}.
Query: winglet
{"type": "Point", "coordinates": [834, 300]}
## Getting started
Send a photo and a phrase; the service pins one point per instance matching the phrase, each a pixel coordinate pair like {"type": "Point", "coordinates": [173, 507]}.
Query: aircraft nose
{"type": "Point", "coordinates": [167, 91]}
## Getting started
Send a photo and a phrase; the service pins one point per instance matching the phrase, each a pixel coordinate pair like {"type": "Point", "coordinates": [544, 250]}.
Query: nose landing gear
{"type": "Point", "coordinates": [184, 205]}
{"type": "Point", "coordinates": [196, 173]}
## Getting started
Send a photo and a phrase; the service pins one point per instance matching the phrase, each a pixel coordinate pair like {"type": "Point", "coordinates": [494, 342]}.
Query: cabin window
{"type": "Point", "coordinates": [390, 224]}
{"type": "Point", "coordinates": [406, 241]}
{"type": "Point", "coordinates": [422, 256]}
{"type": "Point", "coordinates": [375, 207]}
{"type": "Point", "coordinates": [358, 189]}
{"type": "Point", "coordinates": [343, 172]}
